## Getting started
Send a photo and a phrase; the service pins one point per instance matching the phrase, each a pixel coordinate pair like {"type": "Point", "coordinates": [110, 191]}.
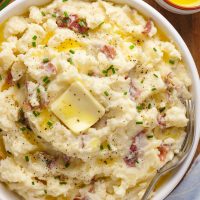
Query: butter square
{"type": "Point", "coordinates": [77, 108]}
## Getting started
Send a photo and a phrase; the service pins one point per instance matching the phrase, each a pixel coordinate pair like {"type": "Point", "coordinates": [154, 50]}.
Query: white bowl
{"type": "Point", "coordinates": [20, 6]}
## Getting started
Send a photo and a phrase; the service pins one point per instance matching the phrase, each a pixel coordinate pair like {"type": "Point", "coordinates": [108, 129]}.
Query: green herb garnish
{"type": "Point", "coordinates": [46, 80]}
{"type": "Point", "coordinates": [101, 147]}
{"type": "Point", "coordinates": [108, 146]}
{"type": "Point", "coordinates": [45, 60]}
{"type": "Point", "coordinates": [72, 51]}
{"type": "Point", "coordinates": [50, 124]}
{"type": "Point", "coordinates": [106, 93]}
{"type": "Point", "coordinates": [70, 61]}
{"type": "Point", "coordinates": [155, 75]}
{"type": "Point", "coordinates": [154, 49]}
{"type": "Point", "coordinates": [34, 37]}
{"type": "Point", "coordinates": [111, 68]}
{"type": "Point", "coordinates": [139, 122]}
{"type": "Point", "coordinates": [23, 128]}
{"type": "Point", "coordinates": [66, 14]}
{"type": "Point", "coordinates": [34, 44]}
{"type": "Point", "coordinates": [132, 46]}
{"type": "Point", "coordinates": [172, 62]}
{"type": "Point", "coordinates": [36, 113]}
{"type": "Point", "coordinates": [162, 109]}
{"type": "Point", "coordinates": [153, 89]}
{"type": "Point", "coordinates": [26, 158]}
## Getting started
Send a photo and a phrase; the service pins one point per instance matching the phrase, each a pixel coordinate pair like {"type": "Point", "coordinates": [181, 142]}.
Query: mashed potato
{"type": "Point", "coordinates": [91, 102]}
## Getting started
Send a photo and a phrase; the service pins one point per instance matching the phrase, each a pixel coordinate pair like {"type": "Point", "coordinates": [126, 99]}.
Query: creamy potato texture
{"type": "Point", "coordinates": [91, 101]}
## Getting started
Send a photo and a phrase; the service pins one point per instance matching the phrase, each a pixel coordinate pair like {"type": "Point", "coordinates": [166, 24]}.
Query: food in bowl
{"type": "Point", "coordinates": [92, 101]}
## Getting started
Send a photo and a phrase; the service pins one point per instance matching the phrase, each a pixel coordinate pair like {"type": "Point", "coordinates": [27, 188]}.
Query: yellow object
{"type": "Point", "coordinates": [186, 3]}
{"type": "Point", "coordinates": [77, 108]}
{"type": "Point", "coordinates": [68, 44]}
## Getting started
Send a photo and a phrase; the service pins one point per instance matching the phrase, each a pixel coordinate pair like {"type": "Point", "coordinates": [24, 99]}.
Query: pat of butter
{"type": "Point", "coordinates": [77, 108]}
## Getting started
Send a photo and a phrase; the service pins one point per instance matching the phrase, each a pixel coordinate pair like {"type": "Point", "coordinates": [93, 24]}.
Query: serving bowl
{"type": "Point", "coordinates": [20, 6]}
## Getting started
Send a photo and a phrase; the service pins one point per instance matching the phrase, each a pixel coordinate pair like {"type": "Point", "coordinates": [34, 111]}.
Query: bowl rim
{"type": "Point", "coordinates": [145, 9]}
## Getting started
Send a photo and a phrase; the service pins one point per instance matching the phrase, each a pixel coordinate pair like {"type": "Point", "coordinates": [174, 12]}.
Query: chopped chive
{"type": "Point", "coordinates": [105, 72]}
{"type": "Point", "coordinates": [34, 44]}
{"type": "Point", "coordinates": [23, 128]}
{"type": "Point", "coordinates": [149, 136]}
{"type": "Point", "coordinates": [46, 80]}
{"type": "Point", "coordinates": [36, 113]}
{"type": "Point", "coordinates": [142, 81]}
{"type": "Point", "coordinates": [106, 93]}
{"type": "Point", "coordinates": [43, 13]}
{"type": "Point", "coordinates": [66, 14]}
{"type": "Point", "coordinates": [101, 147]}
{"type": "Point", "coordinates": [149, 106]}
{"type": "Point", "coordinates": [72, 51]}
{"type": "Point", "coordinates": [0, 78]}
{"type": "Point", "coordinates": [132, 46]}
{"type": "Point", "coordinates": [108, 146]}
{"type": "Point", "coordinates": [139, 122]}
{"type": "Point", "coordinates": [70, 61]}
{"type": "Point", "coordinates": [139, 108]}
{"type": "Point", "coordinates": [34, 37]}
{"type": "Point", "coordinates": [63, 183]}
{"type": "Point", "coordinates": [50, 124]}
{"type": "Point", "coordinates": [38, 90]}
{"type": "Point", "coordinates": [137, 161]}
{"type": "Point", "coordinates": [154, 49]}
{"type": "Point", "coordinates": [125, 93]}
{"type": "Point", "coordinates": [64, 0]}
{"type": "Point", "coordinates": [100, 24]}
{"type": "Point", "coordinates": [33, 183]}
{"type": "Point", "coordinates": [153, 89]}
{"type": "Point", "coordinates": [155, 75]}
{"type": "Point", "coordinates": [53, 15]}
{"type": "Point", "coordinates": [171, 62]}
{"type": "Point", "coordinates": [26, 158]}
{"type": "Point", "coordinates": [45, 60]}
{"type": "Point", "coordinates": [67, 165]}
{"type": "Point", "coordinates": [81, 23]}
{"type": "Point", "coordinates": [45, 191]}
{"type": "Point", "coordinates": [18, 85]}
{"type": "Point", "coordinates": [162, 109]}
{"type": "Point", "coordinates": [113, 70]}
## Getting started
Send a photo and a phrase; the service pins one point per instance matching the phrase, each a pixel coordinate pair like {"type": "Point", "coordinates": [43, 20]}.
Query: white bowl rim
{"type": "Point", "coordinates": [147, 10]}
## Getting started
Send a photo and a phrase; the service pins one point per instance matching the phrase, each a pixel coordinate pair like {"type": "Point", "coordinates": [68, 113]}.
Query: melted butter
{"type": "Point", "coordinates": [69, 44]}
{"type": "Point", "coordinates": [2, 26]}
{"type": "Point", "coordinates": [186, 3]}
{"type": "Point", "coordinates": [48, 36]}
{"type": "Point", "coordinates": [161, 35]}
{"type": "Point", "coordinates": [44, 117]}
{"type": "Point", "coordinates": [5, 86]}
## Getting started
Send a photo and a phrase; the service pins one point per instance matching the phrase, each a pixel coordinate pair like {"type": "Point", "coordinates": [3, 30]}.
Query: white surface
{"type": "Point", "coordinates": [20, 6]}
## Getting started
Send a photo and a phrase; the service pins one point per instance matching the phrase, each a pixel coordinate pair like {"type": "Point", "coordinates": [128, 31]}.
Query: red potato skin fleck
{"type": "Point", "coordinates": [109, 51]}
{"type": "Point", "coordinates": [147, 27]}
{"type": "Point", "coordinates": [163, 149]}
{"type": "Point", "coordinates": [50, 68]}
{"type": "Point", "coordinates": [9, 79]}
{"type": "Point", "coordinates": [73, 23]}
{"type": "Point", "coordinates": [133, 155]}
